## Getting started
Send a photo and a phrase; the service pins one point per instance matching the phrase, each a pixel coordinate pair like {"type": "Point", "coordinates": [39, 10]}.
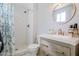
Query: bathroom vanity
{"type": "Point", "coordinates": [58, 45]}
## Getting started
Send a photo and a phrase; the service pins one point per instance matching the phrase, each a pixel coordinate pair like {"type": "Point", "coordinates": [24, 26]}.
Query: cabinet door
{"type": "Point", "coordinates": [61, 50]}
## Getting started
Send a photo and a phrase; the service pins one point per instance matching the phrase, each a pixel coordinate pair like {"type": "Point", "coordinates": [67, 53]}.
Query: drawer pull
{"type": "Point", "coordinates": [60, 52]}
{"type": "Point", "coordinates": [45, 45]}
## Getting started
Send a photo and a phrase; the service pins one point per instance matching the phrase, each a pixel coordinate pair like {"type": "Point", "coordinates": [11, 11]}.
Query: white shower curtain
{"type": "Point", "coordinates": [7, 28]}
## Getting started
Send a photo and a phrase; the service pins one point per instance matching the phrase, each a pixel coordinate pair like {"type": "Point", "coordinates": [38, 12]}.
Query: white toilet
{"type": "Point", "coordinates": [32, 49]}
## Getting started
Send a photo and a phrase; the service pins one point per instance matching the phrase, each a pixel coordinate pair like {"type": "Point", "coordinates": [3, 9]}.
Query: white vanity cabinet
{"type": "Point", "coordinates": [52, 47]}
{"type": "Point", "coordinates": [49, 48]}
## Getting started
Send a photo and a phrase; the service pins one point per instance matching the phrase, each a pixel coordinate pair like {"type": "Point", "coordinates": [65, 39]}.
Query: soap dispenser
{"type": "Point", "coordinates": [75, 25]}
{"type": "Point", "coordinates": [71, 29]}
{"type": "Point", "coordinates": [75, 30]}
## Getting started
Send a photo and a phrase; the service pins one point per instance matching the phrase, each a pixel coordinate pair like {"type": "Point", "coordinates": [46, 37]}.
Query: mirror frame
{"type": "Point", "coordinates": [74, 13]}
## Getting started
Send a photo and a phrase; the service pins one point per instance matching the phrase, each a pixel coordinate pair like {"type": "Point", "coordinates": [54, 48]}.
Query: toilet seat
{"type": "Point", "coordinates": [33, 46]}
{"type": "Point", "coordinates": [32, 50]}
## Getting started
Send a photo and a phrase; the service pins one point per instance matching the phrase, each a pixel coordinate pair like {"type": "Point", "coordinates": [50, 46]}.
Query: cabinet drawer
{"type": "Point", "coordinates": [45, 48]}
{"type": "Point", "coordinates": [45, 43]}
{"type": "Point", "coordinates": [61, 50]}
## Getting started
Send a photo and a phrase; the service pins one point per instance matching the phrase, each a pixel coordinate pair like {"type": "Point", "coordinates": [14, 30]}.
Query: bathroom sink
{"type": "Point", "coordinates": [65, 39]}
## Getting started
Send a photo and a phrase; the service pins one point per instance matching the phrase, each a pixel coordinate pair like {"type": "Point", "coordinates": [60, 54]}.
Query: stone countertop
{"type": "Point", "coordinates": [64, 39]}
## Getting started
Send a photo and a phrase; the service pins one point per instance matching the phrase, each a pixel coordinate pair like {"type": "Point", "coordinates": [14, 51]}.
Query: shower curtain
{"type": "Point", "coordinates": [7, 28]}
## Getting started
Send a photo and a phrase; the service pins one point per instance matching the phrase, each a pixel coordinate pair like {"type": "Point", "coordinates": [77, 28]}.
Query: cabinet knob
{"type": "Point", "coordinates": [45, 45]}
{"type": "Point", "coordinates": [60, 52]}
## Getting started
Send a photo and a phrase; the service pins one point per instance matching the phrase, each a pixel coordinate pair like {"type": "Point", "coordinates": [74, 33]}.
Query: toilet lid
{"type": "Point", "coordinates": [33, 46]}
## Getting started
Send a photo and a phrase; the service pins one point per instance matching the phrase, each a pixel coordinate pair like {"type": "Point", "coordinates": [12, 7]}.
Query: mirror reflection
{"type": "Point", "coordinates": [63, 12]}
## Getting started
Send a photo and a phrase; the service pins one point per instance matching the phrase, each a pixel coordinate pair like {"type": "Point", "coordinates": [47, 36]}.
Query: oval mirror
{"type": "Point", "coordinates": [63, 12]}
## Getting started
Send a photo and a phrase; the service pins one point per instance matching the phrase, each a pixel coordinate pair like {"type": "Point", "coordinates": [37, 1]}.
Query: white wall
{"type": "Point", "coordinates": [24, 35]}
{"type": "Point", "coordinates": [35, 13]}
{"type": "Point", "coordinates": [45, 20]}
